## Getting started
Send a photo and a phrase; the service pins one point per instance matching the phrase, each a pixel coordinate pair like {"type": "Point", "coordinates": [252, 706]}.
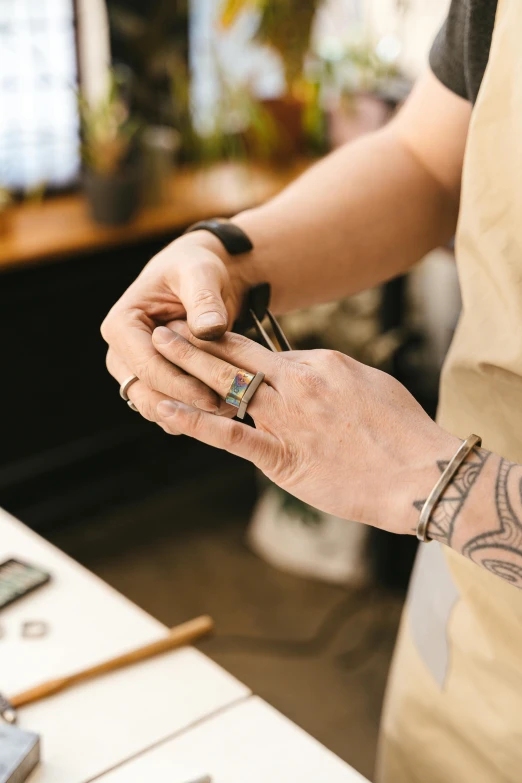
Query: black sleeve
{"type": "Point", "coordinates": [447, 60]}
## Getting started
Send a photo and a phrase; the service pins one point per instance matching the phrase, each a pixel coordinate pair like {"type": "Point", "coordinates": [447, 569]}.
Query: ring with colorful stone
{"type": "Point", "coordinates": [242, 389]}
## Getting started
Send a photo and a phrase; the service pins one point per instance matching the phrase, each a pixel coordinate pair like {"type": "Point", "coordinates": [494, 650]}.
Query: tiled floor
{"type": "Point", "coordinates": [181, 553]}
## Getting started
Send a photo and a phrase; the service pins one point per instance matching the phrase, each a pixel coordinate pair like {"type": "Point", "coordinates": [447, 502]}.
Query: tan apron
{"type": "Point", "coordinates": [453, 710]}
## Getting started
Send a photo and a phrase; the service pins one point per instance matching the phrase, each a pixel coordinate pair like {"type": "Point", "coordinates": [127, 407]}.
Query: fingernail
{"type": "Point", "coordinates": [163, 335]}
{"type": "Point", "coordinates": [209, 320]}
{"type": "Point", "coordinates": [169, 407]}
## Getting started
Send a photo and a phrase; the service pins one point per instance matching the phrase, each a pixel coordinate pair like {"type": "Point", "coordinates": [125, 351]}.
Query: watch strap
{"type": "Point", "coordinates": [233, 238]}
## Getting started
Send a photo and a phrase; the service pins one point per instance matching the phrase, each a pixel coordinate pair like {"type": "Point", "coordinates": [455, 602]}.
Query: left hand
{"type": "Point", "coordinates": [343, 437]}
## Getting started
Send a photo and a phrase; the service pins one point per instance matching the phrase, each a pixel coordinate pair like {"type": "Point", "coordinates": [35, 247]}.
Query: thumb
{"type": "Point", "coordinates": [203, 299]}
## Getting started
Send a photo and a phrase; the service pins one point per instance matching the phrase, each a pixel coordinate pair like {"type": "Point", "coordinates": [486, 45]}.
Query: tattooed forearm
{"type": "Point", "coordinates": [487, 528]}
{"type": "Point", "coordinates": [447, 510]}
{"type": "Point", "coordinates": [500, 549]}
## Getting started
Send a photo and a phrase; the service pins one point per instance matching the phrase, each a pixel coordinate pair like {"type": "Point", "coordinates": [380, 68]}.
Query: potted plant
{"type": "Point", "coordinates": [285, 26]}
{"type": "Point", "coordinates": [112, 176]}
{"type": "Point", "coordinates": [241, 126]}
{"type": "Point", "coordinates": [302, 540]}
{"type": "Point", "coordinates": [361, 84]}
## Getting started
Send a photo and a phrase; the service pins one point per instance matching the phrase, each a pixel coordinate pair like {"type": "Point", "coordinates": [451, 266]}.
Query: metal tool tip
{"type": "Point", "coordinates": [9, 715]}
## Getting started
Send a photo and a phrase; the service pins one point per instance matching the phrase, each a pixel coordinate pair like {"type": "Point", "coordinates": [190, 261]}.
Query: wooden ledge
{"type": "Point", "coordinates": [61, 227]}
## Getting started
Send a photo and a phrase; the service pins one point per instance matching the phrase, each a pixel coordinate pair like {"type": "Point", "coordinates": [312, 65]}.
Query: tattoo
{"type": "Point", "coordinates": [447, 510]}
{"type": "Point", "coordinates": [500, 550]}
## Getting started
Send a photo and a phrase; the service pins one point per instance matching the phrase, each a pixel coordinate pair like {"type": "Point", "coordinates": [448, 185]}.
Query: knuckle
{"type": "Point", "coordinates": [310, 381]}
{"type": "Point", "coordinates": [336, 357]}
{"type": "Point", "coordinates": [208, 264]}
{"type": "Point", "coordinates": [206, 296]}
{"type": "Point", "coordinates": [283, 464]}
{"type": "Point", "coordinates": [223, 377]}
{"type": "Point", "coordinates": [266, 404]}
{"type": "Point", "coordinates": [189, 390]}
{"type": "Point", "coordinates": [301, 357]}
{"type": "Point", "coordinates": [184, 349]}
{"type": "Point", "coordinates": [329, 357]}
{"type": "Point", "coordinates": [194, 422]}
{"type": "Point", "coordinates": [143, 372]}
{"type": "Point", "coordinates": [109, 361]}
{"type": "Point", "coordinates": [106, 327]}
{"type": "Point", "coordinates": [145, 401]}
{"type": "Point", "coordinates": [147, 372]}
{"type": "Point", "coordinates": [232, 340]}
{"type": "Point", "coordinates": [235, 435]}
{"type": "Point", "coordinates": [145, 408]}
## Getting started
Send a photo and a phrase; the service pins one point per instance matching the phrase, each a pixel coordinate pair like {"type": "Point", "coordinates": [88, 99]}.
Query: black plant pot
{"type": "Point", "coordinates": [113, 199]}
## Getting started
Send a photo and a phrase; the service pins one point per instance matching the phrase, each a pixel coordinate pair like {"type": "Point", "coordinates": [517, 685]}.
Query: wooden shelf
{"type": "Point", "coordinates": [61, 227]}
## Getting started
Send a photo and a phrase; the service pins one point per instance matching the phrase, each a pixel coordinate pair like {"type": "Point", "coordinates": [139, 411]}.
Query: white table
{"type": "Point", "coordinates": [247, 743]}
{"type": "Point", "coordinates": [176, 716]}
{"type": "Point", "coordinates": [91, 728]}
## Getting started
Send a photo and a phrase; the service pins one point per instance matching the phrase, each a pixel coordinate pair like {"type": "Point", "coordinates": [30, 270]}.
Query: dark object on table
{"type": "Point", "coordinates": [19, 754]}
{"type": "Point", "coordinates": [114, 198]}
{"type": "Point", "coordinates": [18, 579]}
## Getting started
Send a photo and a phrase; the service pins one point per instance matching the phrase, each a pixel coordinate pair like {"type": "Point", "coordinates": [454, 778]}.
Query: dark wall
{"type": "Point", "coordinates": [69, 444]}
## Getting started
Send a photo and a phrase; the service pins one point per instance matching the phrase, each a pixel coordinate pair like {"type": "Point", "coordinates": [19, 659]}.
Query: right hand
{"type": "Point", "coordinates": [192, 279]}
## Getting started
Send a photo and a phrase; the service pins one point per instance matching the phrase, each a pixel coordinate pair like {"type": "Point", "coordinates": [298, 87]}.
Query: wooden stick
{"type": "Point", "coordinates": [177, 637]}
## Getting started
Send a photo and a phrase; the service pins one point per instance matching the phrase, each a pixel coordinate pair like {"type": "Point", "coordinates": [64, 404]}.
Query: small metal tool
{"type": "Point", "coordinates": [19, 753]}
{"type": "Point", "coordinates": [177, 637]}
{"type": "Point", "coordinates": [255, 309]}
{"type": "Point", "coordinates": [7, 711]}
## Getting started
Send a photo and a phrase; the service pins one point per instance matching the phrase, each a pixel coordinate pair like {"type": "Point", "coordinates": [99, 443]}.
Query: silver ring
{"type": "Point", "coordinates": [127, 383]}
{"type": "Point", "coordinates": [34, 629]}
{"type": "Point", "coordinates": [132, 406]}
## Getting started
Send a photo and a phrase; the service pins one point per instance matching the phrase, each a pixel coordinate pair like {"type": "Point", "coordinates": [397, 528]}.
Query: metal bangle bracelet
{"type": "Point", "coordinates": [442, 484]}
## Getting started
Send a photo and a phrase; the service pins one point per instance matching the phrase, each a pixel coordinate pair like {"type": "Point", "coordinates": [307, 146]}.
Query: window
{"type": "Point", "coordinates": [39, 126]}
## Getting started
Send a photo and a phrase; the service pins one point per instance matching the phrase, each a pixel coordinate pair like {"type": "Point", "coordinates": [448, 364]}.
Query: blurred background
{"type": "Point", "coordinates": [121, 123]}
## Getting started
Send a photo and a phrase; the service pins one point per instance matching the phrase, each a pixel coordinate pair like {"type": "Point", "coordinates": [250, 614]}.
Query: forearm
{"type": "Point", "coordinates": [480, 514]}
{"type": "Point", "coordinates": [363, 215]}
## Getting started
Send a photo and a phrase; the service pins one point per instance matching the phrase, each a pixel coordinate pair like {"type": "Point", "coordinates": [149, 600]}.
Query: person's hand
{"type": "Point", "coordinates": [191, 278]}
{"type": "Point", "coordinates": [343, 437]}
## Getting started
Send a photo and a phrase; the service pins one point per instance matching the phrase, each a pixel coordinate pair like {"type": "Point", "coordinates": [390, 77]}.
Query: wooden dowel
{"type": "Point", "coordinates": [177, 637]}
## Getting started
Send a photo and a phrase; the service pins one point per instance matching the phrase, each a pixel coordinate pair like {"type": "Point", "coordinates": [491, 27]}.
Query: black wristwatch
{"type": "Point", "coordinates": [233, 238]}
